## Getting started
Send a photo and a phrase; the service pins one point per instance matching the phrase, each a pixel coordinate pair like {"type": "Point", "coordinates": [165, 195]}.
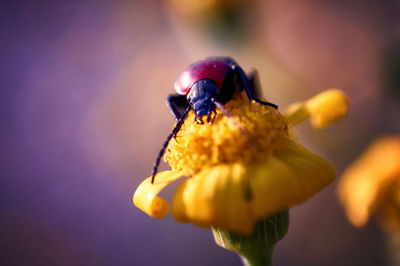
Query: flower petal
{"type": "Point", "coordinates": [323, 109]}
{"type": "Point", "coordinates": [288, 179]}
{"type": "Point", "coordinates": [327, 107]}
{"type": "Point", "coordinates": [146, 199]}
{"type": "Point", "coordinates": [215, 197]}
{"type": "Point", "coordinates": [235, 197]}
{"type": "Point", "coordinates": [296, 113]}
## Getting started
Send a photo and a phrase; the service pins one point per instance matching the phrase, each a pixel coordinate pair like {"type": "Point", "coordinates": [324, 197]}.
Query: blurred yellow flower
{"type": "Point", "coordinates": [372, 185]}
{"type": "Point", "coordinates": [203, 9]}
{"type": "Point", "coordinates": [238, 175]}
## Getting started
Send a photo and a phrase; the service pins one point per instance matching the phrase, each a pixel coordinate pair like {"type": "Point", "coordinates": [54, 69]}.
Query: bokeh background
{"type": "Point", "coordinates": [82, 109]}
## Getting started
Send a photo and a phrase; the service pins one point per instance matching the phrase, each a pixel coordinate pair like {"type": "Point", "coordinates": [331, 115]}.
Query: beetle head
{"type": "Point", "coordinates": [200, 97]}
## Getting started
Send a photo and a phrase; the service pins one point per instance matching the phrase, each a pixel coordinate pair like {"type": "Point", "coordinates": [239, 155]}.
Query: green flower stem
{"type": "Point", "coordinates": [259, 259]}
{"type": "Point", "coordinates": [256, 249]}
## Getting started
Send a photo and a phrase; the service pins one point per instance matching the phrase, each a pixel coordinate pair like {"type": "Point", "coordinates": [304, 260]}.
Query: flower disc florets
{"type": "Point", "coordinates": [258, 131]}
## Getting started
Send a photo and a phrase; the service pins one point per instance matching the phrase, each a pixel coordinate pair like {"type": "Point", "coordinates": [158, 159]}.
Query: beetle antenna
{"type": "Point", "coordinates": [230, 116]}
{"type": "Point", "coordinates": [165, 145]}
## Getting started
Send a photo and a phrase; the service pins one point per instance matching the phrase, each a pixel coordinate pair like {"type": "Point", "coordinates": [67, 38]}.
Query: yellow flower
{"type": "Point", "coordinates": [372, 185]}
{"type": "Point", "coordinates": [204, 10]}
{"type": "Point", "coordinates": [238, 175]}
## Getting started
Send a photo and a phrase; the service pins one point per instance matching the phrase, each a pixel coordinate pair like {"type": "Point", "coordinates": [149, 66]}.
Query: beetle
{"type": "Point", "coordinates": [204, 86]}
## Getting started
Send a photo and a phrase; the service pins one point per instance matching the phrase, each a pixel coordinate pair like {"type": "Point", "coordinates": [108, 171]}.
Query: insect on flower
{"type": "Point", "coordinates": [205, 86]}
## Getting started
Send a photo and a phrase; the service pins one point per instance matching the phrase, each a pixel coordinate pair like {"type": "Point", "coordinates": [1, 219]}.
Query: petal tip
{"type": "Point", "coordinates": [327, 107]}
{"type": "Point", "coordinates": [145, 196]}
{"type": "Point", "coordinates": [155, 207]}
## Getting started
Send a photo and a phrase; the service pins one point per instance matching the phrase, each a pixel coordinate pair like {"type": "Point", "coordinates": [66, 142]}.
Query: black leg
{"type": "Point", "coordinates": [254, 82]}
{"type": "Point", "coordinates": [177, 104]}
{"type": "Point", "coordinates": [246, 86]}
{"type": "Point", "coordinates": [165, 145]}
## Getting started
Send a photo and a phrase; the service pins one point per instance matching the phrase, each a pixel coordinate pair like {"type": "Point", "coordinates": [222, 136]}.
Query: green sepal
{"type": "Point", "coordinates": [257, 248]}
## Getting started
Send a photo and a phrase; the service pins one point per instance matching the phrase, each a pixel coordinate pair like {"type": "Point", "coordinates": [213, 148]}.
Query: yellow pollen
{"type": "Point", "coordinates": [262, 131]}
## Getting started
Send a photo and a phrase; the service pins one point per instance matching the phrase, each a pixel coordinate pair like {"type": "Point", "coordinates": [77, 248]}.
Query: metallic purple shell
{"type": "Point", "coordinates": [214, 68]}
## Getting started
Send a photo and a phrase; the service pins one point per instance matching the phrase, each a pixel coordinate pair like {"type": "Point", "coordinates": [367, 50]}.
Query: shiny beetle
{"type": "Point", "coordinates": [204, 86]}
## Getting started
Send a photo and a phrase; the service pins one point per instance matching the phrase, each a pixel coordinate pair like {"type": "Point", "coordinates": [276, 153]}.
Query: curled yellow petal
{"type": "Point", "coordinates": [146, 199]}
{"type": "Point", "coordinates": [323, 109]}
{"type": "Point", "coordinates": [327, 107]}
{"type": "Point", "coordinates": [296, 113]}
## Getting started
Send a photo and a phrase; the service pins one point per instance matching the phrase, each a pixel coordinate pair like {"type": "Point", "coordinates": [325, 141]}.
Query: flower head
{"type": "Point", "coordinates": [262, 131]}
{"type": "Point", "coordinates": [239, 173]}
{"type": "Point", "coordinates": [372, 185]}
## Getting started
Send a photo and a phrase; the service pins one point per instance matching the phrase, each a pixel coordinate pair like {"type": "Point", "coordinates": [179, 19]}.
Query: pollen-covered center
{"type": "Point", "coordinates": [259, 130]}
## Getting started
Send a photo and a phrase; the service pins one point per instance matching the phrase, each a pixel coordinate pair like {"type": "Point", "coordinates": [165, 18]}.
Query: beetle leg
{"type": "Point", "coordinates": [254, 82]}
{"type": "Point", "coordinates": [210, 112]}
{"type": "Point", "coordinates": [246, 86]}
{"type": "Point", "coordinates": [211, 116]}
{"type": "Point", "coordinates": [198, 120]}
{"type": "Point", "coordinates": [177, 104]}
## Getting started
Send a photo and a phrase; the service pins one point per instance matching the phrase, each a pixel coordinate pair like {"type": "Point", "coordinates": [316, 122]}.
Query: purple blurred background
{"type": "Point", "coordinates": [83, 115]}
